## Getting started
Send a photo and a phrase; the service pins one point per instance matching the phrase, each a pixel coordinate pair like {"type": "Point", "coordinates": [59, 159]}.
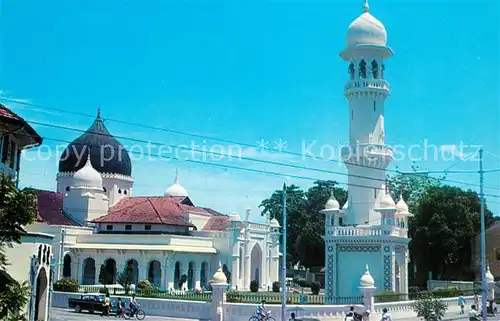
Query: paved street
{"type": "Point", "coordinates": [68, 315]}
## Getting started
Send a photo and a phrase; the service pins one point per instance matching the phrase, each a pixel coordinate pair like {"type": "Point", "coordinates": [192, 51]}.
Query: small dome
{"type": "Point", "coordinates": [219, 276]}
{"type": "Point", "coordinates": [366, 30]}
{"type": "Point", "coordinates": [176, 190]}
{"type": "Point", "coordinates": [401, 206]}
{"type": "Point", "coordinates": [87, 176]}
{"type": "Point", "coordinates": [367, 280]}
{"type": "Point", "coordinates": [489, 276]}
{"type": "Point", "coordinates": [387, 201]}
{"type": "Point", "coordinates": [332, 203]}
{"type": "Point", "coordinates": [274, 223]}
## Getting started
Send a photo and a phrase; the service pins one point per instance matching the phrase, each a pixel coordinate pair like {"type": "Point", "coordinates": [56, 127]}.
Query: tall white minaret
{"type": "Point", "coordinates": [366, 157]}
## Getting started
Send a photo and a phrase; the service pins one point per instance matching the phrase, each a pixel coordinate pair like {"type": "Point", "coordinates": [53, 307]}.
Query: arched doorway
{"type": "Point", "coordinates": [177, 274]}
{"type": "Point", "coordinates": [110, 266]}
{"type": "Point", "coordinates": [41, 295]}
{"type": "Point", "coordinates": [190, 275]}
{"type": "Point", "coordinates": [135, 270]}
{"type": "Point", "coordinates": [256, 264]}
{"type": "Point", "coordinates": [88, 271]}
{"type": "Point", "coordinates": [67, 266]}
{"type": "Point", "coordinates": [154, 273]}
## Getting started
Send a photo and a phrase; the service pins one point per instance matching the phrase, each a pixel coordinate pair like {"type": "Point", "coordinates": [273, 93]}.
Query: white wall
{"type": "Point", "coordinates": [352, 265]}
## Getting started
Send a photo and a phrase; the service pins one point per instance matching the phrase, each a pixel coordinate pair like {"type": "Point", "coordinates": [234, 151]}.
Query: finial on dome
{"type": "Point", "coordinates": [366, 7]}
{"type": "Point", "coordinates": [88, 158]}
{"type": "Point", "coordinates": [99, 112]}
{"type": "Point", "coordinates": [176, 179]}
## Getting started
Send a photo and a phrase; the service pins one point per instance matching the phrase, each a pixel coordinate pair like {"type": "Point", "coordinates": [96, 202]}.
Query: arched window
{"type": "Point", "coordinates": [67, 266]}
{"type": "Point", "coordinates": [362, 69]}
{"type": "Point", "coordinates": [375, 69]}
{"type": "Point", "coordinates": [119, 191]}
{"type": "Point", "coordinates": [351, 71]}
{"type": "Point", "coordinates": [382, 71]}
{"type": "Point", "coordinates": [67, 188]}
{"type": "Point", "coordinates": [125, 192]}
{"type": "Point", "coordinates": [104, 189]}
{"type": "Point", "coordinates": [203, 274]}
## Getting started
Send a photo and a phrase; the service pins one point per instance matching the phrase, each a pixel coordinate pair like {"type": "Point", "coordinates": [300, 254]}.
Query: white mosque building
{"type": "Point", "coordinates": [370, 229]}
{"type": "Point", "coordinates": [97, 222]}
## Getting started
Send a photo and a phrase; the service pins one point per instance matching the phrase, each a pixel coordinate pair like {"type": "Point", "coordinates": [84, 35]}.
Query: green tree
{"type": "Point", "coordinates": [103, 275]}
{"type": "Point", "coordinates": [446, 220]}
{"type": "Point", "coordinates": [124, 278]}
{"type": "Point", "coordinates": [305, 225]}
{"type": "Point", "coordinates": [17, 209]}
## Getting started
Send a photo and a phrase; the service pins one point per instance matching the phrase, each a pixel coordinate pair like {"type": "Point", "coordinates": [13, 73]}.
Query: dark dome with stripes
{"type": "Point", "coordinates": [107, 154]}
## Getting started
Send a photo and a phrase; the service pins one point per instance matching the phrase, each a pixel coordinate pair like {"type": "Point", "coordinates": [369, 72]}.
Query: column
{"type": "Point", "coordinates": [143, 269]}
{"type": "Point", "coordinates": [163, 279]}
{"type": "Point", "coordinates": [170, 273]}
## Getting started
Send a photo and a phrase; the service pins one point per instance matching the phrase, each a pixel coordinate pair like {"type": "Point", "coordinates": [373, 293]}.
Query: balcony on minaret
{"type": "Point", "coordinates": [376, 155]}
{"type": "Point", "coordinates": [357, 84]}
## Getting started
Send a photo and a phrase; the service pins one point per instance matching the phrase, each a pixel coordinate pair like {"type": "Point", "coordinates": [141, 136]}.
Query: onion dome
{"type": "Point", "coordinates": [107, 154]}
{"type": "Point", "coordinates": [332, 203]}
{"type": "Point", "coordinates": [274, 223]}
{"type": "Point", "coordinates": [387, 202]}
{"type": "Point", "coordinates": [219, 276]}
{"type": "Point", "coordinates": [367, 281]}
{"type": "Point", "coordinates": [345, 207]}
{"type": "Point", "coordinates": [176, 190]}
{"type": "Point", "coordinates": [366, 30]}
{"type": "Point", "coordinates": [489, 276]}
{"type": "Point", "coordinates": [87, 177]}
{"type": "Point", "coordinates": [402, 207]}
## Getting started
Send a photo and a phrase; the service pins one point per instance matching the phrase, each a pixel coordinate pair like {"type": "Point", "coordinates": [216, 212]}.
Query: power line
{"type": "Point", "coordinates": [228, 142]}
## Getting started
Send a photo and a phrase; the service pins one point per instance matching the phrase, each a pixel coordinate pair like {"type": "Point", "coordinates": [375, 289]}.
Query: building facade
{"type": "Point", "coordinates": [370, 228]}
{"type": "Point", "coordinates": [99, 224]}
{"type": "Point", "coordinates": [31, 260]}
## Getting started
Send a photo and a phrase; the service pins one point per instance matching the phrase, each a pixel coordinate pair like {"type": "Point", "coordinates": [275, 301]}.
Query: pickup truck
{"type": "Point", "coordinates": [88, 302]}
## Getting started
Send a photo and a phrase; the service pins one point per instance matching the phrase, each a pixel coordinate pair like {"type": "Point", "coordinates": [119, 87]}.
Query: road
{"type": "Point", "coordinates": [68, 315]}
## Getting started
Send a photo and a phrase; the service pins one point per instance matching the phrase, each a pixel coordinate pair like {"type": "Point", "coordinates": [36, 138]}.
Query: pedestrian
{"type": "Point", "coordinates": [120, 307]}
{"type": "Point", "coordinates": [385, 315]}
{"type": "Point", "coordinates": [461, 303]}
{"type": "Point", "coordinates": [107, 302]}
{"type": "Point", "coordinates": [473, 314]}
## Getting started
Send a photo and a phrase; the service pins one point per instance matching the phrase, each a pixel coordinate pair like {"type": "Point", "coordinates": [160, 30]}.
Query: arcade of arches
{"type": "Point", "coordinates": [196, 274]}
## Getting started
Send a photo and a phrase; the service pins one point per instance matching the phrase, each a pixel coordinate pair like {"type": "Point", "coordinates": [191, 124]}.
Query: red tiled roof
{"type": "Point", "coordinates": [218, 223]}
{"type": "Point", "coordinates": [49, 208]}
{"type": "Point", "coordinates": [7, 113]}
{"type": "Point", "coordinates": [153, 210]}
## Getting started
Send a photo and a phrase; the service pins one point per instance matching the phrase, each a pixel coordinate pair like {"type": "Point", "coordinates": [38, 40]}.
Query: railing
{"type": "Point", "coordinates": [356, 231]}
{"type": "Point", "coordinates": [147, 293]}
{"type": "Point", "coordinates": [437, 293]}
{"type": "Point", "coordinates": [367, 83]}
{"type": "Point", "coordinates": [292, 298]}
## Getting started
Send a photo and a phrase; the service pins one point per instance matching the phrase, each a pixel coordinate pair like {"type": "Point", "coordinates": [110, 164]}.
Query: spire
{"type": "Point", "coordinates": [99, 112]}
{"type": "Point", "coordinates": [88, 163]}
{"type": "Point", "coordinates": [366, 7]}
{"type": "Point", "coordinates": [176, 180]}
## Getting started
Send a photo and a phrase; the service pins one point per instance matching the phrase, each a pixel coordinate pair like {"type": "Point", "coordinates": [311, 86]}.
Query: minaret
{"type": "Point", "coordinates": [366, 157]}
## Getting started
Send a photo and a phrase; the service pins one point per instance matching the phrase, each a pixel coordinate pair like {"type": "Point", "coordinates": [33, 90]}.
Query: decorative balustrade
{"type": "Point", "coordinates": [366, 231]}
{"type": "Point", "coordinates": [367, 83]}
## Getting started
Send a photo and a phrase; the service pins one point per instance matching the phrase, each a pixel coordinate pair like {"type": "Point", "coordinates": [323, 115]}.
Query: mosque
{"type": "Point", "coordinates": [96, 221]}
{"type": "Point", "coordinates": [370, 230]}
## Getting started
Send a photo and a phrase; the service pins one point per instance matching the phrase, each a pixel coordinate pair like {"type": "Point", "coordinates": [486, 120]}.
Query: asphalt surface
{"type": "Point", "coordinates": [57, 314]}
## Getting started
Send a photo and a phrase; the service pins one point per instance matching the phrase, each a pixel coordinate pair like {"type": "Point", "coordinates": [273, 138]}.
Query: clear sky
{"type": "Point", "coordinates": [247, 70]}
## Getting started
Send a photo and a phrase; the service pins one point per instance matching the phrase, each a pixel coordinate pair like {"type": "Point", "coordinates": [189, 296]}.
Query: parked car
{"type": "Point", "coordinates": [88, 302]}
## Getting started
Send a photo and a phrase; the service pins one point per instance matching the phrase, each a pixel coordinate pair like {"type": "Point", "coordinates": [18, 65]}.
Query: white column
{"type": "Point", "coordinates": [98, 262]}
{"type": "Point", "coordinates": [143, 269]}
{"type": "Point", "coordinates": [235, 271]}
{"type": "Point", "coordinates": [164, 274]}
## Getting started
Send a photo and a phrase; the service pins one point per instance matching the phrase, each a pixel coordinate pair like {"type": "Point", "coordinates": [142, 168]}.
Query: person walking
{"type": "Point", "coordinates": [461, 303]}
{"type": "Point", "coordinates": [107, 303]}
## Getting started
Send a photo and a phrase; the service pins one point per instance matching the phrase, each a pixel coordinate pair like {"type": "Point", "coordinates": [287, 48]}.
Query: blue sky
{"type": "Point", "coordinates": [246, 71]}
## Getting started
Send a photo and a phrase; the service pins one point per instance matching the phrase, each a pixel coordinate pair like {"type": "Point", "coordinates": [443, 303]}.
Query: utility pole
{"type": "Point", "coordinates": [283, 267]}
{"type": "Point", "coordinates": [484, 286]}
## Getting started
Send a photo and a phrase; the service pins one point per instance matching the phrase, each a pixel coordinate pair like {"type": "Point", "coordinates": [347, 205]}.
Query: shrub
{"type": "Point", "coordinates": [389, 296]}
{"type": "Point", "coordinates": [296, 279]}
{"type": "Point", "coordinates": [302, 282]}
{"type": "Point", "coordinates": [66, 285]}
{"type": "Point", "coordinates": [182, 280]}
{"type": "Point", "coordinates": [448, 292]}
{"type": "Point", "coordinates": [276, 286]}
{"type": "Point", "coordinates": [254, 286]}
{"type": "Point", "coordinates": [429, 308]}
{"type": "Point", "coordinates": [144, 285]}
{"type": "Point", "coordinates": [315, 287]}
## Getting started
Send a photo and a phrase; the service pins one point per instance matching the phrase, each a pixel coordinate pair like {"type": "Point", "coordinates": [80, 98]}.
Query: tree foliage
{"type": "Point", "coordinates": [124, 278]}
{"type": "Point", "coordinates": [305, 225]}
{"type": "Point", "coordinates": [17, 209]}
